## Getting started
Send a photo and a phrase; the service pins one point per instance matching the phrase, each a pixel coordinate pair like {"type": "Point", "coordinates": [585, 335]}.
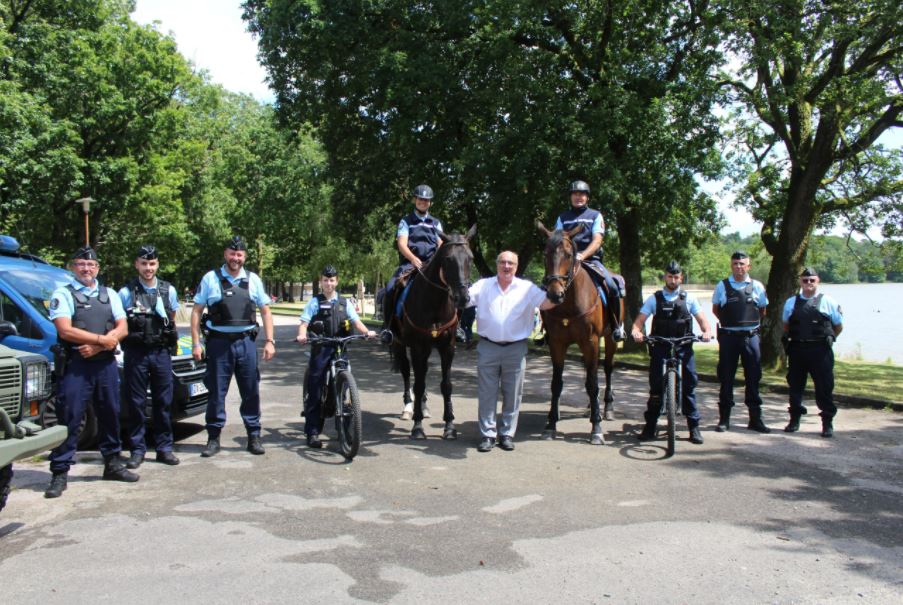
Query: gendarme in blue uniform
{"type": "Point", "coordinates": [231, 307]}
{"type": "Point", "coordinates": [94, 378]}
{"type": "Point", "coordinates": [592, 224]}
{"type": "Point", "coordinates": [423, 240]}
{"type": "Point", "coordinates": [672, 316]}
{"type": "Point", "coordinates": [738, 340]}
{"type": "Point", "coordinates": [147, 359]}
{"type": "Point", "coordinates": [338, 315]}
{"type": "Point", "coordinates": [810, 322]}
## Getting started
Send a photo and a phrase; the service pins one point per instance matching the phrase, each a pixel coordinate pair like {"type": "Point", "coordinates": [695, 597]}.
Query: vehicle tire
{"type": "Point", "coordinates": [671, 407]}
{"type": "Point", "coordinates": [6, 477]}
{"type": "Point", "coordinates": [348, 414]}
{"type": "Point", "coordinates": [87, 435]}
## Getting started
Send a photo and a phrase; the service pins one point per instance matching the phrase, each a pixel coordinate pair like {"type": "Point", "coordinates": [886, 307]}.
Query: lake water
{"type": "Point", "coordinates": [872, 318]}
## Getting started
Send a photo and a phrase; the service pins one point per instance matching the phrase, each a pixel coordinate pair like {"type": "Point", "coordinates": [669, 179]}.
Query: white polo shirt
{"type": "Point", "coordinates": [505, 316]}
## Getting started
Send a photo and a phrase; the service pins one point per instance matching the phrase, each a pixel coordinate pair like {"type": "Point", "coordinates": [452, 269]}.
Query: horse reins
{"type": "Point", "coordinates": [434, 332]}
{"type": "Point", "coordinates": [567, 279]}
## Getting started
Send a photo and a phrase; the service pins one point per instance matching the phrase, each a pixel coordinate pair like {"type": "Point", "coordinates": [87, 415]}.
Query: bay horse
{"type": "Point", "coordinates": [579, 317]}
{"type": "Point", "coordinates": [428, 320]}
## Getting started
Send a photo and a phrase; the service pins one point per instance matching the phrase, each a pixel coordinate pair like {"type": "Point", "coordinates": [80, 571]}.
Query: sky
{"type": "Point", "coordinates": [212, 35]}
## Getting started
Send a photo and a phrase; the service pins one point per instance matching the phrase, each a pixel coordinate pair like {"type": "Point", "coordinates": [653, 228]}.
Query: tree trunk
{"type": "Point", "coordinates": [788, 253]}
{"type": "Point", "coordinates": [631, 268]}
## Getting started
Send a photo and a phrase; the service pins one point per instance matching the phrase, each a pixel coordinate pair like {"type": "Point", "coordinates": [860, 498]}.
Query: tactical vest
{"type": "Point", "coordinates": [93, 315]}
{"type": "Point", "coordinates": [146, 327]}
{"type": "Point", "coordinates": [235, 308]}
{"type": "Point", "coordinates": [586, 217]}
{"type": "Point", "coordinates": [423, 236]}
{"type": "Point", "coordinates": [672, 318]}
{"type": "Point", "coordinates": [807, 323]}
{"type": "Point", "coordinates": [333, 314]}
{"type": "Point", "coordinates": [740, 310]}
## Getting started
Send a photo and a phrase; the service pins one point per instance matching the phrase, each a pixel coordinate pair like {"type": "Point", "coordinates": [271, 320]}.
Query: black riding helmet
{"type": "Point", "coordinates": [581, 186]}
{"type": "Point", "coordinates": [329, 271]}
{"type": "Point", "coordinates": [423, 191]}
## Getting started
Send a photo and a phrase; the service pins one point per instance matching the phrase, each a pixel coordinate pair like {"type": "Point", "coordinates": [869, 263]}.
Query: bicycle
{"type": "Point", "coordinates": [672, 385]}
{"type": "Point", "coordinates": [339, 396]}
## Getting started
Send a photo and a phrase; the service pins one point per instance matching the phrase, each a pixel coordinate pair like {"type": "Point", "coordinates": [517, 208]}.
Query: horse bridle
{"type": "Point", "coordinates": [571, 274]}
{"type": "Point", "coordinates": [444, 285]}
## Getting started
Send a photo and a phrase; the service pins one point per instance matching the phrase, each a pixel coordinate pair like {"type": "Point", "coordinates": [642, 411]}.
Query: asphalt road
{"type": "Point", "coordinates": [744, 518]}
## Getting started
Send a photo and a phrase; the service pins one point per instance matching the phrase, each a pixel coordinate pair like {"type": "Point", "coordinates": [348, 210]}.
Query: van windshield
{"type": "Point", "coordinates": [36, 286]}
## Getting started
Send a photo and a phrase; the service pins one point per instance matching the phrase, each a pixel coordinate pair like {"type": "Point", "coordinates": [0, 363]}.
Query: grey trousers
{"type": "Point", "coordinates": [502, 368]}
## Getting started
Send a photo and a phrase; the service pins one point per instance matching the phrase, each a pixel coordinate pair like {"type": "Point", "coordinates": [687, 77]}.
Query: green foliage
{"type": "Point", "coordinates": [92, 104]}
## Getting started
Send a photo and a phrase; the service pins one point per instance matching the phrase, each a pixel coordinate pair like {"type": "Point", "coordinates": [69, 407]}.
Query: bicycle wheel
{"type": "Point", "coordinates": [348, 414]}
{"type": "Point", "coordinates": [671, 407]}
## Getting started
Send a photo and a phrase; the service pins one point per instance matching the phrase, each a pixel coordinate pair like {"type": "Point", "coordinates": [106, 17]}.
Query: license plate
{"type": "Point", "coordinates": [197, 388]}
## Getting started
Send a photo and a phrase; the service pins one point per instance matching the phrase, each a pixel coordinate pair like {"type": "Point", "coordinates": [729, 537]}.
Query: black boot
{"type": "Point", "coordinates": [651, 427]}
{"type": "Point", "coordinates": [794, 424]}
{"type": "Point", "coordinates": [135, 460]}
{"type": "Point", "coordinates": [254, 445]}
{"type": "Point", "coordinates": [114, 470]}
{"type": "Point", "coordinates": [212, 448]}
{"type": "Point", "coordinates": [648, 433]}
{"type": "Point", "coordinates": [827, 427]}
{"type": "Point", "coordinates": [724, 419]}
{"type": "Point", "coordinates": [755, 422]}
{"type": "Point", "coordinates": [695, 433]}
{"type": "Point", "coordinates": [58, 484]}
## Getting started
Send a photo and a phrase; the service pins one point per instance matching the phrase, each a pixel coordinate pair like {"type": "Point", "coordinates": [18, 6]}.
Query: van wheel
{"type": "Point", "coordinates": [87, 430]}
{"type": "Point", "coordinates": [6, 476]}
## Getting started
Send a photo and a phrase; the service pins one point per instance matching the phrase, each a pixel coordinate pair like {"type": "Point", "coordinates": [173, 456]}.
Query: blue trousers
{"type": "Point", "coordinates": [83, 382]}
{"type": "Point", "coordinates": [805, 360]}
{"type": "Point", "coordinates": [226, 358]}
{"type": "Point", "coordinates": [316, 375]}
{"type": "Point", "coordinates": [143, 366]}
{"type": "Point", "coordinates": [734, 347]}
{"type": "Point", "coordinates": [688, 377]}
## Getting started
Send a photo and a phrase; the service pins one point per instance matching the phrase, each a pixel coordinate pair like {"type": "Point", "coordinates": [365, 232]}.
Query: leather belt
{"type": "Point", "coordinates": [230, 336]}
{"type": "Point", "coordinates": [502, 344]}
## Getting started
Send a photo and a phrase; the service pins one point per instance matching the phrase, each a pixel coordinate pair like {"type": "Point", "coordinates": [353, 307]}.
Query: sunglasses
{"type": "Point", "coordinates": [808, 280]}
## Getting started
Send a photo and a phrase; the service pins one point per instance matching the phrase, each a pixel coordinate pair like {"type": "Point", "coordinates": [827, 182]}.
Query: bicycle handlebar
{"type": "Point", "coordinates": [672, 340]}
{"type": "Point", "coordinates": [314, 339]}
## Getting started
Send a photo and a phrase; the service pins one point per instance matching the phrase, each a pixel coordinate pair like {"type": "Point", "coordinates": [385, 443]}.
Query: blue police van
{"type": "Point", "coordinates": [26, 284]}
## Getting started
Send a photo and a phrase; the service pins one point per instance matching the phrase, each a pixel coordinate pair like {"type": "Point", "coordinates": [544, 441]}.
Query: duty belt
{"type": "Point", "coordinates": [230, 336]}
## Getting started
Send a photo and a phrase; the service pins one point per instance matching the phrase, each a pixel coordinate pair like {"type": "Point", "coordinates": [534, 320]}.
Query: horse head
{"type": "Point", "coordinates": [560, 261]}
{"type": "Point", "coordinates": [454, 260]}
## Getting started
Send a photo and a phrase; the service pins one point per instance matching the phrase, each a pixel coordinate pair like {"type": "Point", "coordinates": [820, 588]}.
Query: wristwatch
{"type": "Point", "coordinates": [270, 340]}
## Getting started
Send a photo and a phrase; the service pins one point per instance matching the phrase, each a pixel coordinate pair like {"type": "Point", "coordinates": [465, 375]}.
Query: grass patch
{"type": "Point", "coordinates": [853, 378]}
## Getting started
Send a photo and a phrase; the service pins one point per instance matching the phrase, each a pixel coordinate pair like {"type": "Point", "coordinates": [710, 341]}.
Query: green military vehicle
{"type": "Point", "coordinates": [24, 389]}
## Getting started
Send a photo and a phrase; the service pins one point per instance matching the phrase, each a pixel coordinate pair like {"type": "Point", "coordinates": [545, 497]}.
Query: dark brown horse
{"type": "Point", "coordinates": [579, 318]}
{"type": "Point", "coordinates": [429, 320]}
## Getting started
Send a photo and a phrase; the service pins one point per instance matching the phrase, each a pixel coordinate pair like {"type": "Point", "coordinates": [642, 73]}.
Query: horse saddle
{"type": "Point", "coordinates": [598, 274]}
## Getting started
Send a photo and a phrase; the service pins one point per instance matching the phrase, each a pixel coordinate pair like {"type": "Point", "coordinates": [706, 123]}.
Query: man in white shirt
{"type": "Point", "coordinates": [505, 306]}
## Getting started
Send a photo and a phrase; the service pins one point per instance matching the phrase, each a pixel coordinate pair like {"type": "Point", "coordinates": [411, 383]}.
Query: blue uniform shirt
{"type": "Point", "coordinates": [598, 225]}
{"type": "Point", "coordinates": [828, 306]}
{"type": "Point", "coordinates": [719, 297]}
{"type": "Point", "coordinates": [404, 228]}
{"type": "Point", "coordinates": [63, 305]}
{"type": "Point", "coordinates": [125, 294]}
{"type": "Point", "coordinates": [314, 305]}
{"type": "Point", "coordinates": [210, 293]}
{"type": "Point", "coordinates": [648, 308]}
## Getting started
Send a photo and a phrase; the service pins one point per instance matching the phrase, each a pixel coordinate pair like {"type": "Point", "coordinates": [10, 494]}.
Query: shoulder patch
{"type": "Point", "coordinates": [55, 303]}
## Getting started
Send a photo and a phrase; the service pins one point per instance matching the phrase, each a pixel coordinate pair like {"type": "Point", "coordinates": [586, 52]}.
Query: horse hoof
{"type": "Point", "coordinates": [548, 435]}
{"type": "Point", "coordinates": [426, 412]}
{"type": "Point", "coordinates": [450, 434]}
{"type": "Point", "coordinates": [609, 415]}
{"type": "Point", "coordinates": [408, 412]}
{"type": "Point", "coordinates": [597, 439]}
{"type": "Point", "coordinates": [418, 434]}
